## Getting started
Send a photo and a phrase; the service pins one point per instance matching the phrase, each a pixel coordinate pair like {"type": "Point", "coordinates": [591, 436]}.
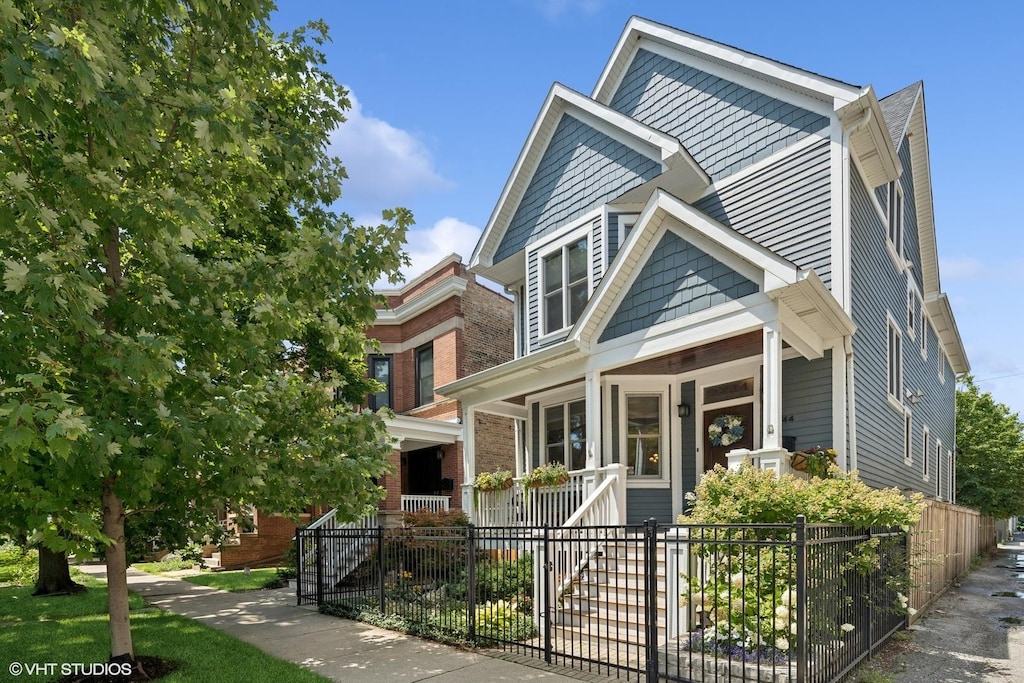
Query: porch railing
{"type": "Point", "coordinates": [415, 503]}
{"type": "Point", "coordinates": [553, 506]}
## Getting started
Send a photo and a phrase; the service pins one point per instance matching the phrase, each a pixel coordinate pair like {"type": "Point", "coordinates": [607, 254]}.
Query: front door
{"type": "Point", "coordinates": [729, 433]}
{"type": "Point", "coordinates": [424, 470]}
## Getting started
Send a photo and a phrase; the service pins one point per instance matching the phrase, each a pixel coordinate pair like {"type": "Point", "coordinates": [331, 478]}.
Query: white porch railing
{"type": "Point", "coordinates": [433, 503]}
{"type": "Point", "coordinates": [553, 506]}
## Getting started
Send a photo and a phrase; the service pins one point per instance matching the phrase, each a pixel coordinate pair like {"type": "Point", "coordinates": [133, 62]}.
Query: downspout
{"type": "Point", "coordinates": [851, 410]}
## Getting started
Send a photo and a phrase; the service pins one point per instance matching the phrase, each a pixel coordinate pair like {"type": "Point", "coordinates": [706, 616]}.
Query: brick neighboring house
{"type": "Point", "coordinates": [438, 328]}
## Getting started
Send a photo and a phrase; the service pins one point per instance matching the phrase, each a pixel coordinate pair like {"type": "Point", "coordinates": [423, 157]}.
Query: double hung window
{"type": "Point", "coordinates": [566, 285]}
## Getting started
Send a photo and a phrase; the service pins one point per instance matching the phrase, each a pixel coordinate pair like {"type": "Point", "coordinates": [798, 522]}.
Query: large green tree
{"type": "Point", "coordinates": [990, 453]}
{"type": "Point", "coordinates": [182, 314]}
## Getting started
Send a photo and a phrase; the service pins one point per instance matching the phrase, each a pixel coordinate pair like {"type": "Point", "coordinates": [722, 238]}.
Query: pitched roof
{"type": "Point", "coordinates": [897, 107]}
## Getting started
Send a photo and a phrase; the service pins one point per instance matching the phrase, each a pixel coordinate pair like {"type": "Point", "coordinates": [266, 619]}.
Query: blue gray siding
{"type": "Point", "coordinates": [688, 482]}
{"type": "Point", "coordinates": [785, 206]}
{"type": "Point", "coordinates": [877, 287]}
{"type": "Point", "coordinates": [725, 126]}
{"type": "Point", "coordinates": [807, 401]}
{"type": "Point", "coordinates": [678, 279]}
{"type": "Point", "coordinates": [642, 504]}
{"type": "Point", "coordinates": [581, 168]}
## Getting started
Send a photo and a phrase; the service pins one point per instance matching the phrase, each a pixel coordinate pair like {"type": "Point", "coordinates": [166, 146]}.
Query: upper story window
{"type": "Point", "coordinates": [566, 284]}
{"type": "Point", "coordinates": [425, 374]}
{"type": "Point", "coordinates": [923, 336]}
{"type": "Point", "coordinates": [380, 369]}
{"type": "Point", "coordinates": [895, 363]}
{"type": "Point", "coordinates": [908, 432]}
{"type": "Point", "coordinates": [894, 218]}
{"type": "Point", "coordinates": [565, 434]}
{"type": "Point", "coordinates": [926, 452]}
{"type": "Point", "coordinates": [913, 312]}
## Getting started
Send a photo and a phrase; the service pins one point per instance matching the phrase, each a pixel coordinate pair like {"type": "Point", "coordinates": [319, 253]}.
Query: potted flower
{"type": "Point", "coordinates": [493, 481]}
{"type": "Point", "coordinates": [552, 474]}
{"type": "Point", "coordinates": [814, 462]}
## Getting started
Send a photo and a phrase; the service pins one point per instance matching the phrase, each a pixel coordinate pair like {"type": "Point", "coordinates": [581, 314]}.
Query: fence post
{"type": "Point", "coordinates": [471, 581]}
{"type": "Point", "coordinates": [651, 597]}
{"type": "Point", "coordinates": [801, 598]}
{"type": "Point", "coordinates": [545, 594]}
{"type": "Point", "coordinates": [319, 567]}
{"type": "Point", "coordinates": [380, 570]}
{"type": "Point", "coordinates": [298, 566]}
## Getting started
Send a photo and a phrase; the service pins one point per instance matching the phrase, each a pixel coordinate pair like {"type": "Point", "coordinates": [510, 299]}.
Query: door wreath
{"type": "Point", "coordinates": [725, 430]}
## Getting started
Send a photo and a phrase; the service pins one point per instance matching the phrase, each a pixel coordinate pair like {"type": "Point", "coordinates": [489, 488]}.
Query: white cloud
{"type": "Point", "coordinates": [386, 165]}
{"type": "Point", "coordinates": [426, 247]}
{"type": "Point", "coordinates": [554, 9]}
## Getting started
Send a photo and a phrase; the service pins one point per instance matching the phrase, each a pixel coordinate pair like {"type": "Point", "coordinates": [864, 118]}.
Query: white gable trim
{"type": "Point", "coordinates": [663, 212]}
{"type": "Point", "coordinates": [725, 59]}
{"type": "Point", "coordinates": [562, 100]}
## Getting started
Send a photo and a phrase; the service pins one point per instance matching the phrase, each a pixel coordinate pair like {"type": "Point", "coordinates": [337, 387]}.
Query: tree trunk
{"type": "Point", "coordinates": [54, 574]}
{"type": "Point", "coordinates": [117, 577]}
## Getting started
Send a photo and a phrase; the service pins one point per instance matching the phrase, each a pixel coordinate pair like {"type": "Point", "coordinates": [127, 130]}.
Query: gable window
{"type": "Point", "coordinates": [565, 434]}
{"type": "Point", "coordinates": [894, 218]}
{"type": "Point", "coordinates": [926, 452]}
{"type": "Point", "coordinates": [895, 363]}
{"type": "Point", "coordinates": [644, 445]}
{"type": "Point", "coordinates": [425, 374]}
{"type": "Point", "coordinates": [380, 370]}
{"type": "Point", "coordinates": [566, 284]}
{"type": "Point", "coordinates": [908, 454]}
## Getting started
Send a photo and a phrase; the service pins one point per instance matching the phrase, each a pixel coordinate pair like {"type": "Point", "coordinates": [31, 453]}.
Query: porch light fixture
{"type": "Point", "coordinates": [914, 397]}
{"type": "Point", "coordinates": [684, 409]}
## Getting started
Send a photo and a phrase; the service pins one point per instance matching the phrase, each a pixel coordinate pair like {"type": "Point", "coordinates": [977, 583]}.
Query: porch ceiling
{"type": "Point", "coordinates": [811, 315]}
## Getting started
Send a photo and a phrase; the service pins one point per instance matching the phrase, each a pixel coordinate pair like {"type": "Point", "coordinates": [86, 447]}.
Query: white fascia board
{"type": "Point", "coordinates": [403, 427]}
{"type": "Point", "coordinates": [454, 286]}
{"type": "Point", "coordinates": [917, 137]}
{"type": "Point", "coordinates": [508, 372]}
{"type": "Point", "coordinates": [818, 292]}
{"type": "Point", "coordinates": [804, 82]}
{"type": "Point", "coordinates": [941, 315]}
{"type": "Point", "coordinates": [872, 141]}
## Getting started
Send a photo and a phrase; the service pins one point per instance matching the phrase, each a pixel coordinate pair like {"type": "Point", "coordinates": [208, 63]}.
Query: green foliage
{"type": "Point", "coordinates": [172, 564]}
{"type": "Point", "coordinates": [498, 480]}
{"type": "Point", "coordinates": [747, 595]}
{"type": "Point", "coordinates": [990, 453]}
{"type": "Point", "coordinates": [235, 581]}
{"type": "Point", "coordinates": [816, 461]}
{"type": "Point", "coordinates": [503, 621]}
{"type": "Point", "coordinates": [180, 305]}
{"type": "Point", "coordinates": [507, 580]}
{"type": "Point", "coordinates": [553, 474]}
{"type": "Point", "coordinates": [426, 518]}
{"type": "Point", "coordinates": [18, 566]}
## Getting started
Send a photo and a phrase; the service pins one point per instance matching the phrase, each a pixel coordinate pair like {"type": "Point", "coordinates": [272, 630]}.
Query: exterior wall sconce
{"type": "Point", "coordinates": [914, 397]}
{"type": "Point", "coordinates": [684, 409]}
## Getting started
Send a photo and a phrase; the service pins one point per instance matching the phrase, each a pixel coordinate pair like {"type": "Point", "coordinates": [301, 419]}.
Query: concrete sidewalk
{"type": "Point", "coordinates": [338, 649]}
{"type": "Point", "coordinates": [974, 633]}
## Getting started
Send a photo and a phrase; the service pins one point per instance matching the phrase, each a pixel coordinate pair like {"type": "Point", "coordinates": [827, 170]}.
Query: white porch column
{"type": "Point", "coordinates": [468, 457]}
{"type": "Point", "coordinates": [593, 401]}
{"type": "Point", "coordinates": [518, 445]}
{"type": "Point", "coordinates": [771, 422]}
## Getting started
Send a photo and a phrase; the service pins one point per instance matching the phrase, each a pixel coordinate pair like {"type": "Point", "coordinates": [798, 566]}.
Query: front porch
{"type": "Point", "coordinates": [654, 410]}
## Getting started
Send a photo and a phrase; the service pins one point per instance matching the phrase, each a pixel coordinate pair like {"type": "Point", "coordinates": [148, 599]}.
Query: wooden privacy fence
{"type": "Point", "coordinates": [944, 542]}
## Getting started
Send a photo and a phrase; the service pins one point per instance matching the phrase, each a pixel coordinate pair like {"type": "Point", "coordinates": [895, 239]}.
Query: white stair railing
{"type": "Point", "coordinates": [341, 553]}
{"type": "Point", "coordinates": [415, 503]}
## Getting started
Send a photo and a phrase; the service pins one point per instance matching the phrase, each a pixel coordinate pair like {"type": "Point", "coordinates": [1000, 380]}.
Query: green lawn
{"type": "Point", "coordinates": [74, 629]}
{"type": "Point", "coordinates": [234, 581]}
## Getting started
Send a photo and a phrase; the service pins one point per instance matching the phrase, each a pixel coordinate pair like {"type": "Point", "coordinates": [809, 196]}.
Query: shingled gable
{"type": "Point", "coordinates": [664, 213]}
{"type": "Point", "coordinates": [653, 144]}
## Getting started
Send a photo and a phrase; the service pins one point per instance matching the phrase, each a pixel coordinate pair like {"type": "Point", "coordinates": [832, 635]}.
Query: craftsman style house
{"type": "Point", "coordinates": [714, 253]}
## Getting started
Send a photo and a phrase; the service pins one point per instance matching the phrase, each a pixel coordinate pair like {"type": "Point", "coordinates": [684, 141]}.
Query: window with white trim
{"type": "Point", "coordinates": [895, 363]}
{"type": "Point", "coordinates": [926, 452]}
{"type": "Point", "coordinates": [565, 434]}
{"type": "Point", "coordinates": [941, 355]}
{"type": "Point", "coordinates": [923, 338]}
{"type": "Point", "coordinates": [938, 469]}
{"type": "Point", "coordinates": [913, 310]}
{"type": "Point", "coordinates": [644, 435]}
{"type": "Point", "coordinates": [894, 217]}
{"type": "Point", "coordinates": [908, 425]}
{"type": "Point", "coordinates": [565, 284]}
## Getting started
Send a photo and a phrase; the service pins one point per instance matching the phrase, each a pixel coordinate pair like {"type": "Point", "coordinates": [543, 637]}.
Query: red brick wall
{"type": "Point", "coordinates": [272, 539]}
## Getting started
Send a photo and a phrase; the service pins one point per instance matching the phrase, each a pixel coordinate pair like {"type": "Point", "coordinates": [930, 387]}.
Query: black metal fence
{"type": "Point", "coordinates": [679, 603]}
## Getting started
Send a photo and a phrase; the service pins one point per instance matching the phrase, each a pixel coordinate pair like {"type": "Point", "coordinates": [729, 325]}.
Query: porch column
{"type": "Point", "coordinates": [468, 459]}
{"type": "Point", "coordinates": [771, 422]}
{"type": "Point", "coordinates": [593, 401]}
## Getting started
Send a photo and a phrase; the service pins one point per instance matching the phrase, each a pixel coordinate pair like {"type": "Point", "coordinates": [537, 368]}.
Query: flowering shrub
{"type": "Point", "coordinates": [503, 620]}
{"type": "Point", "coordinates": [553, 474]}
{"type": "Point", "coordinates": [493, 481]}
{"type": "Point", "coordinates": [746, 593]}
{"type": "Point", "coordinates": [725, 430]}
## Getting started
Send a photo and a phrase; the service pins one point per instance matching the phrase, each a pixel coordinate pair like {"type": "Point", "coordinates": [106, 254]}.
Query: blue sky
{"type": "Point", "coordinates": [445, 92]}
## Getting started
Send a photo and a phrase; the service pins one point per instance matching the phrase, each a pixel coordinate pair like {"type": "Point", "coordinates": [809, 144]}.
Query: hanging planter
{"type": "Point", "coordinates": [554, 474]}
{"type": "Point", "coordinates": [814, 462]}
